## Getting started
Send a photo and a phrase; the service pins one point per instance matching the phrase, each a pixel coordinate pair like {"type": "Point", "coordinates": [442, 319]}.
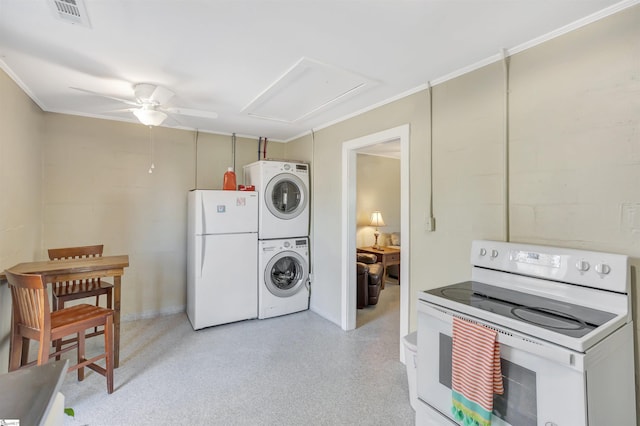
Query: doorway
{"type": "Point", "coordinates": [349, 290]}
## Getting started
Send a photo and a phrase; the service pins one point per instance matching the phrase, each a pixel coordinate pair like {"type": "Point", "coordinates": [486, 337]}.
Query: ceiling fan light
{"type": "Point", "coordinates": [150, 117]}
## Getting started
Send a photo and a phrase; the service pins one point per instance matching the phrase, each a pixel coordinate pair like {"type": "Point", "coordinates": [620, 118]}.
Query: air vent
{"type": "Point", "coordinates": [72, 11]}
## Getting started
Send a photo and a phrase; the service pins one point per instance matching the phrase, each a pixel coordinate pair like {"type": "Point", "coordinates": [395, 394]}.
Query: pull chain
{"type": "Point", "coordinates": [152, 149]}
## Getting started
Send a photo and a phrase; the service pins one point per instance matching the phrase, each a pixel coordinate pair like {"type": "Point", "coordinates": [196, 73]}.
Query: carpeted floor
{"type": "Point", "coordinates": [297, 369]}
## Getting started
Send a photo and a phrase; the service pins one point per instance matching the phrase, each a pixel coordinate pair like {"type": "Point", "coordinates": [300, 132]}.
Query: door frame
{"type": "Point", "coordinates": [349, 279]}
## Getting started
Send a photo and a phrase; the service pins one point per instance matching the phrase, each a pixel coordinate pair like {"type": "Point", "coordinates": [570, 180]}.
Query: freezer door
{"type": "Point", "coordinates": [225, 280]}
{"type": "Point", "coordinates": [223, 212]}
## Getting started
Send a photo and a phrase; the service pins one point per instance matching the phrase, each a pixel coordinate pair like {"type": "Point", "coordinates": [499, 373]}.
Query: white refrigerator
{"type": "Point", "coordinates": [222, 257]}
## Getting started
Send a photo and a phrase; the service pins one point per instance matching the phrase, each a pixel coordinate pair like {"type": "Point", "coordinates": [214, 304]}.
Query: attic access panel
{"type": "Point", "coordinates": [306, 88]}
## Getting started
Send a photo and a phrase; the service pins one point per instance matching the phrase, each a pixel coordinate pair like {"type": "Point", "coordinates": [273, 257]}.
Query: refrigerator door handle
{"type": "Point", "coordinates": [204, 216]}
{"type": "Point", "coordinates": [203, 250]}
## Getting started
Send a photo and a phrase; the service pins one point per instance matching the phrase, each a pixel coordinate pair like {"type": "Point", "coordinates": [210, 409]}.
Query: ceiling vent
{"type": "Point", "coordinates": [307, 88]}
{"type": "Point", "coordinates": [72, 11]}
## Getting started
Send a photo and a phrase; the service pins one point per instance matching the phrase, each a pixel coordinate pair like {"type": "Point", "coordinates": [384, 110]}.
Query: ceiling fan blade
{"type": "Point", "coordinates": [176, 121]}
{"type": "Point", "coordinates": [191, 112]}
{"type": "Point", "coordinates": [161, 95]}
{"type": "Point", "coordinates": [102, 95]}
{"type": "Point", "coordinates": [152, 94]}
{"type": "Point", "coordinates": [121, 110]}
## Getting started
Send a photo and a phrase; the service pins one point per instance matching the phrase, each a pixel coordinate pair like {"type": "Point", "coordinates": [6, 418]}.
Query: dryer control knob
{"type": "Point", "coordinates": [494, 254]}
{"type": "Point", "coordinates": [603, 268]}
{"type": "Point", "coordinates": [287, 244]}
{"type": "Point", "coordinates": [483, 251]}
{"type": "Point", "coordinates": [582, 265]}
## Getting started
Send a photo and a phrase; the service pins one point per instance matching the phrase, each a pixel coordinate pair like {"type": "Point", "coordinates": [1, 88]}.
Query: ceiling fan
{"type": "Point", "coordinates": [149, 104]}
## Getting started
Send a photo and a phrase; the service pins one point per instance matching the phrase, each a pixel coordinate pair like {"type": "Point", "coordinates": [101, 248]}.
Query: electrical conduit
{"type": "Point", "coordinates": [505, 63]}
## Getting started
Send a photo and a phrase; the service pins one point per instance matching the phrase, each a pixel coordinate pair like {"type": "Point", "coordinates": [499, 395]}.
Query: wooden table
{"type": "Point", "coordinates": [78, 269]}
{"type": "Point", "coordinates": [386, 255]}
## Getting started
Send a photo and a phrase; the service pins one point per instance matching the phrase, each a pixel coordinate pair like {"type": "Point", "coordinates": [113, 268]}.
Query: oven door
{"type": "Point", "coordinates": [544, 383]}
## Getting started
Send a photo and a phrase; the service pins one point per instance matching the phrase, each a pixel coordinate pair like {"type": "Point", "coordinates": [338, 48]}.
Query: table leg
{"type": "Point", "coordinates": [384, 273]}
{"type": "Point", "coordinates": [116, 321]}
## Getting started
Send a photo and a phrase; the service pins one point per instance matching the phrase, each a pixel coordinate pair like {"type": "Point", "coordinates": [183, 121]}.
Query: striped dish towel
{"type": "Point", "coordinates": [476, 374]}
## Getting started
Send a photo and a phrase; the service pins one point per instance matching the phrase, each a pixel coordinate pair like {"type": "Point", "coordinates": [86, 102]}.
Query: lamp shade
{"type": "Point", "coordinates": [376, 219]}
{"type": "Point", "coordinates": [150, 116]}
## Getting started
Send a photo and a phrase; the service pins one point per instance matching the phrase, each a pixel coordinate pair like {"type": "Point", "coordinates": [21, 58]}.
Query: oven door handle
{"type": "Point", "coordinates": [557, 355]}
{"type": "Point", "coordinates": [508, 338]}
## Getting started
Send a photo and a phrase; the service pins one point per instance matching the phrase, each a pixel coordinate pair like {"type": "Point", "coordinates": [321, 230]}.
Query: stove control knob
{"type": "Point", "coordinates": [483, 251]}
{"type": "Point", "coordinates": [494, 254]}
{"type": "Point", "coordinates": [582, 265]}
{"type": "Point", "coordinates": [603, 268]}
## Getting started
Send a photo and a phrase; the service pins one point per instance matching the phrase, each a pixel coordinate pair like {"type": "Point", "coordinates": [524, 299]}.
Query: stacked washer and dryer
{"type": "Point", "coordinates": [283, 235]}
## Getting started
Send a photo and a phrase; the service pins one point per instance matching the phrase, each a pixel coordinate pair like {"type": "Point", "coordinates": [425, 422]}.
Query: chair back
{"type": "Point", "coordinates": [77, 253]}
{"type": "Point", "coordinates": [30, 302]}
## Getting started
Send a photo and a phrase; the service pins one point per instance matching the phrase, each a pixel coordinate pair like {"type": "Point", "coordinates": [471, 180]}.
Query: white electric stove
{"type": "Point", "coordinates": [563, 318]}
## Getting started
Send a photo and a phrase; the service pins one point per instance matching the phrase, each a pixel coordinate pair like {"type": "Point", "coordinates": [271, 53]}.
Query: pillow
{"type": "Point", "coordinates": [384, 239]}
{"type": "Point", "coordinates": [395, 239]}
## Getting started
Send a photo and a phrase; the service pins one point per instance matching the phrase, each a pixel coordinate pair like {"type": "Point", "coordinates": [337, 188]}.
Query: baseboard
{"type": "Point", "coordinates": [154, 314]}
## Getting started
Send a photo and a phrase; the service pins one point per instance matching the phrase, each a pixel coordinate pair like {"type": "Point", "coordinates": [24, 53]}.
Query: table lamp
{"type": "Point", "coordinates": [376, 220]}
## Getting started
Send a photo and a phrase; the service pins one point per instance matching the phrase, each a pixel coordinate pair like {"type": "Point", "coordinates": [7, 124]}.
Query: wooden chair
{"type": "Point", "coordinates": [79, 289]}
{"type": "Point", "coordinates": [32, 319]}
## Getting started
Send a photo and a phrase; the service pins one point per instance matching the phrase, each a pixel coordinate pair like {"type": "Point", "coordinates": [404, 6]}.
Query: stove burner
{"type": "Point", "coordinates": [541, 316]}
{"type": "Point", "coordinates": [541, 312]}
{"type": "Point", "coordinates": [463, 294]}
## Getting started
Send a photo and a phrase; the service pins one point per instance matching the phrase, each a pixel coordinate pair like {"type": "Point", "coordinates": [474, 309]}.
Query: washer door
{"type": "Point", "coordinates": [286, 274]}
{"type": "Point", "coordinates": [285, 196]}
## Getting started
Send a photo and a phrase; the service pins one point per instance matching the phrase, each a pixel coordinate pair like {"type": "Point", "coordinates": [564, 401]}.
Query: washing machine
{"type": "Point", "coordinates": [283, 276]}
{"type": "Point", "coordinates": [283, 189]}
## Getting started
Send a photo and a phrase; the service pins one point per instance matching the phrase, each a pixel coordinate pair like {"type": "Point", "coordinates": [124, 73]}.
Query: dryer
{"type": "Point", "coordinates": [283, 189]}
{"type": "Point", "coordinates": [283, 276]}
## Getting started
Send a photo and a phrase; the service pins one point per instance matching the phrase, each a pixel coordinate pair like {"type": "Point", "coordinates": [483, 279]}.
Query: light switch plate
{"type": "Point", "coordinates": [630, 216]}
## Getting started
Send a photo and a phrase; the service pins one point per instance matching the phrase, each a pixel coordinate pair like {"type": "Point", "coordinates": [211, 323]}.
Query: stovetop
{"type": "Point", "coordinates": [569, 297]}
{"type": "Point", "coordinates": [553, 315]}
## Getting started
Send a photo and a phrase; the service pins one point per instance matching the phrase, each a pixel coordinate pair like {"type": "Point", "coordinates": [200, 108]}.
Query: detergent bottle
{"type": "Point", "coordinates": [229, 182]}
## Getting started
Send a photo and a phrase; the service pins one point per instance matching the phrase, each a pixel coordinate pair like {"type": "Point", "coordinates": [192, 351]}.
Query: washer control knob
{"type": "Point", "coordinates": [582, 265]}
{"type": "Point", "coordinates": [494, 254]}
{"type": "Point", "coordinates": [287, 244]}
{"type": "Point", "coordinates": [483, 251]}
{"type": "Point", "coordinates": [603, 268]}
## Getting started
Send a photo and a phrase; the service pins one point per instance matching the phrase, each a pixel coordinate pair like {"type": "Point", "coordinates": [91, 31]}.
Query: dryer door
{"type": "Point", "coordinates": [286, 274]}
{"type": "Point", "coordinates": [286, 196]}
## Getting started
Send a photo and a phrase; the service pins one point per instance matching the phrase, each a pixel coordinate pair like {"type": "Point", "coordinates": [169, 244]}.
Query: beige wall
{"type": "Point", "coordinates": [378, 188]}
{"type": "Point", "coordinates": [574, 169]}
{"type": "Point", "coordinates": [97, 189]}
{"type": "Point", "coordinates": [215, 154]}
{"type": "Point", "coordinates": [21, 136]}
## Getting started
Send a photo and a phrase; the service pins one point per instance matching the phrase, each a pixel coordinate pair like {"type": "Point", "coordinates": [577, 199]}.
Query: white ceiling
{"type": "Point", "coordinates": [303, 63]}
